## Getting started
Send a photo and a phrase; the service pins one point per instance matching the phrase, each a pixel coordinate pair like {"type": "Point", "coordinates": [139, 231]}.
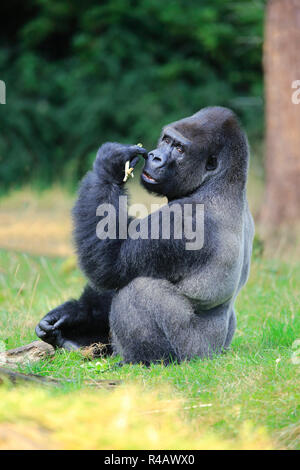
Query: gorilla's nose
{"type": "Point", "coordinates": [156, 159]}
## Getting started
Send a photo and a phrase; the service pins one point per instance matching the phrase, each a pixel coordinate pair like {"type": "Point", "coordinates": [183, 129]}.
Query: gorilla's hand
{"type": "Point", "coordinates": [111, 158]}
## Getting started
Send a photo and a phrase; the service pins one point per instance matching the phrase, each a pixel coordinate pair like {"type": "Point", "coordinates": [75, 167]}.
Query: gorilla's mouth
{"type": "Point", "coordinates": [148, 178]}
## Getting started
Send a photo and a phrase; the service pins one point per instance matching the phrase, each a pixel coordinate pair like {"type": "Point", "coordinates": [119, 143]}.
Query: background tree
{"type": "Point", "coordinates": [80, 73]}
{"type": "Point", "coordinates": [282, 68]}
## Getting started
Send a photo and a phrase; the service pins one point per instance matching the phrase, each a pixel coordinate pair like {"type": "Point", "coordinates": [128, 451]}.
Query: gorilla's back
{"type": "Point", "coordinates": [249, 230]}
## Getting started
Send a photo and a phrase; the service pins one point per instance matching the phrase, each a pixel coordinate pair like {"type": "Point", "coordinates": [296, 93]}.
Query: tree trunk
{"type": "Point", "coordinates": [282, 67]}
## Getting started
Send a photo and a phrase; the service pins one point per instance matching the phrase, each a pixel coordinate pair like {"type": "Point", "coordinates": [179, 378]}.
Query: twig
{"type": "Point", "coordinates": [204, 405]}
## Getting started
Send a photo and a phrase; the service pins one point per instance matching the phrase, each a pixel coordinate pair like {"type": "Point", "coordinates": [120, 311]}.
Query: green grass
{"type": "Point", "coordinates": [256, 381]}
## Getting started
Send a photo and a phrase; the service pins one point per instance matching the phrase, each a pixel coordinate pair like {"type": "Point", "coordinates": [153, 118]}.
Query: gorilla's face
{"type": "Point", "coordinates": [165, 166]}
{"type": "Point", "coordinates": [188, 154]}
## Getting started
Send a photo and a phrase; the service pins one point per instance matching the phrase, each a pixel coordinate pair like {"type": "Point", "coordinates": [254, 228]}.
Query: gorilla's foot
{"type": "Point", "coordinates": [54, 329]}
{"type": "Point", "coordinates": [52, 334]}
{"type": "Point", "coordinates": [66, 327]}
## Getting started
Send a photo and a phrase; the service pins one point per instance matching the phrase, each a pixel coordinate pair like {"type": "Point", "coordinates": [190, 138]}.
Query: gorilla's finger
{"type": "Point", "coordinates": [134, 161]}
{"type": "Point", "coordinates": [136, 149]}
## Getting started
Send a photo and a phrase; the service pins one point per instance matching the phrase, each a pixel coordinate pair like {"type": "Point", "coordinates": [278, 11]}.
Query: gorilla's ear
{"type": "Point", "coordinates": [230, 124]}
{"type": "Point", "coordinates": [211, 163]}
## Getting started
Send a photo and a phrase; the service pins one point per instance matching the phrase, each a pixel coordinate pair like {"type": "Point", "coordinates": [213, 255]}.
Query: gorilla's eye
{"type": "Point", "coordinates": [179, 149]}
{"type": "Point", "coordinates": [166, 140]}
{"type": "Point", "coordinates": [211, 163]}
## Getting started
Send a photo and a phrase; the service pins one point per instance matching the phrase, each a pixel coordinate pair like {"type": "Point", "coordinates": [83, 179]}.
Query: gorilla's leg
{"type": "Point", "coordinates": [136, 335]}
{"type": "Point", "coordinates": [151, 321]}
{"type": "Point", "coordinates": [78, 323]}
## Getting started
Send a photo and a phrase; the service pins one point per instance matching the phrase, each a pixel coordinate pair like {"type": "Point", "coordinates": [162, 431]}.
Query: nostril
{"type": "Point", "coordinates": [155, 157]}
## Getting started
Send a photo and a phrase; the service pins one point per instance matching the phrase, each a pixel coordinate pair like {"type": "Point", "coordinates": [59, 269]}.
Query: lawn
{"type": "Point", "coordinates": [246, 398]}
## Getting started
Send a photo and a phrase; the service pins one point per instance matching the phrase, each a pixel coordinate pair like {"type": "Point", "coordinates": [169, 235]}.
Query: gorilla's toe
{"type": "Point", "coordinates": [70, 345]}
{"type": "Point", "coordinates": [39, 332]}
{"type": "Point", "coordinates": [49, 335]}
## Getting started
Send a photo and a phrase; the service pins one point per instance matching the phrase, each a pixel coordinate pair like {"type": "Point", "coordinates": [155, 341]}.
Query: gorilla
{"type": "Point", "coordinates": [152, 299]}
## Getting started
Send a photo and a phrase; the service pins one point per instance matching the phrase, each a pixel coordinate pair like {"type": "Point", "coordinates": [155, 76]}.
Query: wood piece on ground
{"type": "Point", "coordinates": [32, 352]}
{"type": "Point", "coordinates": [17, 377]}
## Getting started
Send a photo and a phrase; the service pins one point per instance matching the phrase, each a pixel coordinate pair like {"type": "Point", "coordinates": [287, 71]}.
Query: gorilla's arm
{"type": "Point", "coordinates": [100, 259]}
{"type": "Point", "coordinates": [113, 263]}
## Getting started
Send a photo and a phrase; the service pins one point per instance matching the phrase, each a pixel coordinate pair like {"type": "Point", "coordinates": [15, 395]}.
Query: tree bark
{"type": "Point", "coordinates": [282, 67]}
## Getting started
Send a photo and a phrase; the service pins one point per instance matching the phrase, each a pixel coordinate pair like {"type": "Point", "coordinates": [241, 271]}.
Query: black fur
{"type": "Point", "coordinates": [162, 301]}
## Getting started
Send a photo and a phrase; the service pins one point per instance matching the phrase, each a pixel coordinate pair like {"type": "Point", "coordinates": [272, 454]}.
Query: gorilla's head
{"type": "Point", "coordinates": [194, 150]}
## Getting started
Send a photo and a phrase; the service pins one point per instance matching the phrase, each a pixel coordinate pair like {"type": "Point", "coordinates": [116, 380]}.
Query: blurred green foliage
{"type": "Point", "coordinates": [81, 73]}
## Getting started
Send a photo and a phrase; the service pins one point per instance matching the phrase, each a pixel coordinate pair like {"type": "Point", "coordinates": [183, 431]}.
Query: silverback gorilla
{"type": "Point", "coordinates": [152, 299]}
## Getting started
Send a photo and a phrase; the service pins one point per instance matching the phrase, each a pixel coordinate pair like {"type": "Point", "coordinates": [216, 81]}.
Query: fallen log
{"type": "Point", "coordinates": [32, 352]}
{"type": "Point", "coordinates": [17, 378]}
